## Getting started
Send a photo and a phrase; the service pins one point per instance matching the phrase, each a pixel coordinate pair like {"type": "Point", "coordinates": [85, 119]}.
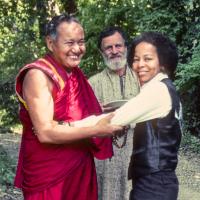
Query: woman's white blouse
{"type": "Point", "coordinates": [152, 102]}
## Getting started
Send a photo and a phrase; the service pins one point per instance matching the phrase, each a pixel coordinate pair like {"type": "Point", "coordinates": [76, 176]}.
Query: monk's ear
{"type": "Point", "coordinates": [49, 43]}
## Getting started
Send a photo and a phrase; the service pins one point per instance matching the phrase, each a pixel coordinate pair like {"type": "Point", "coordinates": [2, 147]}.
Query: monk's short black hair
{"type": "Point", "coordinates": [51, 26]}
{"type": "Point", "coordinates": [109, 32]}
{"type": "Point", "coordinates": [166, 50]}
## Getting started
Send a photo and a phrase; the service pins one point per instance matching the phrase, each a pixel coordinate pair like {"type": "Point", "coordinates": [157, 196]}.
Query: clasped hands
{"type": "Point", "coordinates": [109, 129]}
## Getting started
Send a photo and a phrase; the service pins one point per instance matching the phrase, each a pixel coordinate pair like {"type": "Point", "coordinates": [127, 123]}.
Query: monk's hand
{"type": "Point", "coordinates": [105, 128]}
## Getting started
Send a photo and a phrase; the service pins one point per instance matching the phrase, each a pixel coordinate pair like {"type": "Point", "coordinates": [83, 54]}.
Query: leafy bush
{"type": "Point", "coordinates": [7, 169]}
{"type": "Point", "coordinates": [9, 106]}
{"type": "Point", "coordinates": [190, 142]}
{"type": "Point", "coordinates": [188, 83]}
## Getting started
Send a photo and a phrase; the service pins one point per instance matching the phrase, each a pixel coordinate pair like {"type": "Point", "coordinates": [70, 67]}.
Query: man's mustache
{"type": "Point", "coordinates": [116, 56]}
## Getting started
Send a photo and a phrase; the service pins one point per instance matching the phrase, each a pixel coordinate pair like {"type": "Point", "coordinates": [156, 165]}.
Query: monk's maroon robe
{"type": "Point", "coordinates": [44, 166]}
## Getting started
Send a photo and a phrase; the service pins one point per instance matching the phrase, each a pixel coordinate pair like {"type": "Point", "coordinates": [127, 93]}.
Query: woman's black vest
{"type": "Point", "coordinates": [156, 142]}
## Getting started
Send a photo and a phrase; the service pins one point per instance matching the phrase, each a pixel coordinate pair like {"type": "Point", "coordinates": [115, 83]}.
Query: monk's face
{"type": "Point", "coordinates": [69, 45]}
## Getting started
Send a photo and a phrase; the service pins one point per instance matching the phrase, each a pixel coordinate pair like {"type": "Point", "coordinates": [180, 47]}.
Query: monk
{"type": "Point", "coordinates": [56, 160]}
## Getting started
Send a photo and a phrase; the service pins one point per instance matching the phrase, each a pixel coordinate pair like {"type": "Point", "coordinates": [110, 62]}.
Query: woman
{"type": "Point", "coordinates": [156, 111]}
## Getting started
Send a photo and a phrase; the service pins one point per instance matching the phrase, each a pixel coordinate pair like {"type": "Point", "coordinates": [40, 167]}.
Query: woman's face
{"type": "Point", "coordinates": [145, 62]}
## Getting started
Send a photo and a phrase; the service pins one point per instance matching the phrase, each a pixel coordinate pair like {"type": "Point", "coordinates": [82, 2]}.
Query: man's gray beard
{"type": "Point", "coordinates": [115, 65]}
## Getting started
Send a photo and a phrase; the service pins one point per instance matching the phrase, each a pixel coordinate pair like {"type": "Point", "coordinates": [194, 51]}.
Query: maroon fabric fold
{"type": "Point", "coordinates": [41, 166]}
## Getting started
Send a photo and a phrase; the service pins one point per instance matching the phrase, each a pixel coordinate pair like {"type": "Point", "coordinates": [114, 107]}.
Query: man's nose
{"type": "Point", "coordinates": [114, 50]}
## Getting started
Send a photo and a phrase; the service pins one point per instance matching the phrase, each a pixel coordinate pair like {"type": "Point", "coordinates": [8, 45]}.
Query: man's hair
{"type": "Point", "coordinates": [51, 26]}
{"type": "Point", "coordinates": [166, 50]}
{"type": "Point", "coordinates": [111, 31]}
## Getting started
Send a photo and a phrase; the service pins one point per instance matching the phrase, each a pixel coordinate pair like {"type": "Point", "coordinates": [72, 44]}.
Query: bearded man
{"type": "Point", "coordinates": [116, 82]}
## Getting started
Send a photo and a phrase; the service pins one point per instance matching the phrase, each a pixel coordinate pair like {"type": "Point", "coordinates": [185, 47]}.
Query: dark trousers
{"type": "Point", "coordinates": [156, 186]}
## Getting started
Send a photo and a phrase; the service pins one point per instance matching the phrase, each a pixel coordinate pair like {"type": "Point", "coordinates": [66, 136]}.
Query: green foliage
{"type": "Point", "coordinates": [7, 169]}
{"type": "Point", "coordinates": [7, 116]}
{"type": "Point", "coordinates": [134, 17]}
{"type": "Point", "coordinates": [190, 142]}
{"type": "Point", "coordinates": [188, 82]}
{"type": "Point", "coordinates": [188, 74]}
{"type": "Point", "coordinates": [20, 43]}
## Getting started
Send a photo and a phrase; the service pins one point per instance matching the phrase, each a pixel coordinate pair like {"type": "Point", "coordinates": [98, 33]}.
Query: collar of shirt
{"type": "Point", "coordinates": [160, 76]}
